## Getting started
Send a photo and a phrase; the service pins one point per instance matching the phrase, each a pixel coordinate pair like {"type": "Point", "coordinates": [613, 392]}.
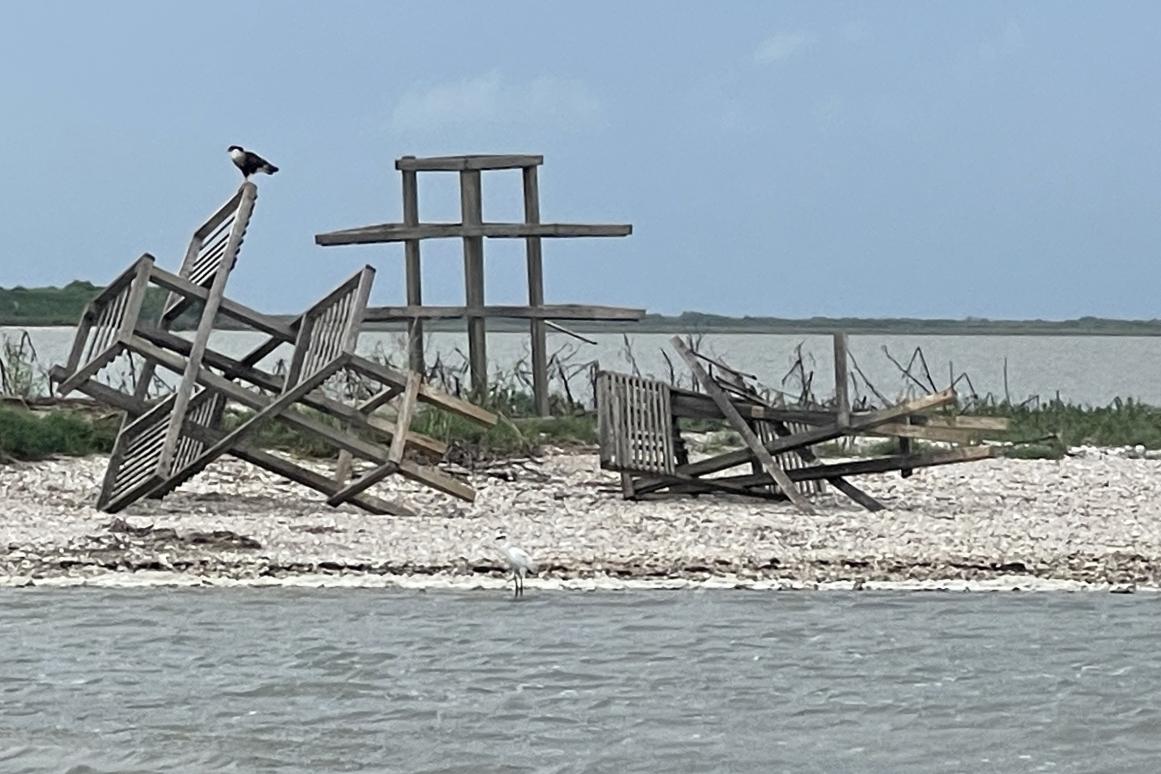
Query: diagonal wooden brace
{"type": "Point", "coordinates": [731, 414]}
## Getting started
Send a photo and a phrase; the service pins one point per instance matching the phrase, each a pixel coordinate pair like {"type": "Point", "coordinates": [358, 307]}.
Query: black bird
{"type": "Point", "coordinates": [250, 162]}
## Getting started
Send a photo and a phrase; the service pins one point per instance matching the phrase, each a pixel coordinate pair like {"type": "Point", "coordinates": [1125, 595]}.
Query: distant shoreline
{"type": "Point", "coordinates": [815, 327]}
{"type": "Point", "coordinates": [62, 307]}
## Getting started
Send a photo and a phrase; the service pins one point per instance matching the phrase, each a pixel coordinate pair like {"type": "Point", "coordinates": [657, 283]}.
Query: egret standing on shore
{"type": "Point", "coordinates": [519, 563]}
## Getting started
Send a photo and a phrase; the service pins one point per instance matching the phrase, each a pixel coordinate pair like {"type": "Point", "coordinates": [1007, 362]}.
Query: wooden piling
{"type": "Point", "coordinates": [413, 271]}
{"type": "Point", "coordinates": [537, 327]}
{"type": "Point", "coordinates": [471, 209]}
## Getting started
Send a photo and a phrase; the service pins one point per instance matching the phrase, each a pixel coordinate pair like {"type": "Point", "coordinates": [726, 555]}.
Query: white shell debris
{"type": "Point", "coordinates": [1092, 520]}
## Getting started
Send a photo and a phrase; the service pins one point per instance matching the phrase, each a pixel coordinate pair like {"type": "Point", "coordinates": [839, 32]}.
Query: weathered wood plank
{"type": "Point", "coordinates": [401, 232]}
{"type": "Point", "coordinates": [413, 271]}
{"type": "Point", "coordinates": [537, 329]}
{"type": "Point", "coordinates": [818, 435]}
{"type": "Point", "coordinates": [731, 414]}
{"type": "Point", "coordinates": [841, 381]}
{"type": "Point", "coordinates": [471, 210]}
{"type": "Point", "coordinates": [466, 163]}
{"type": "Point", "coordinates": [545, 312]}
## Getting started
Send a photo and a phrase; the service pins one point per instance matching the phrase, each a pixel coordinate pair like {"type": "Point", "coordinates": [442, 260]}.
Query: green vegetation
{"type": "Point", "coordinates": [1121, 423]}
{"type": "Point", "coordinates": [1040, 432]}
{"type": "Point", "coordinates": [29, 435]}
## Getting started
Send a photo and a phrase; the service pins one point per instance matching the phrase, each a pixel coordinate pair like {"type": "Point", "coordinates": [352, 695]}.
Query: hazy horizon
{"type": "Point", "coordinates": [789, 160]}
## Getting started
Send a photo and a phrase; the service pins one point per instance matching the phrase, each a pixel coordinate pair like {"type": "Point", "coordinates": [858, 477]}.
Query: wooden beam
{"type": "Point", "coordinates": [234, 369]}
{"type": "Point", "coordinates": [257, 401]}
{"type": "Point", "coordinates": [414, 273]}
{"type": "Point", "coordinates": [466, 163]}
{"type": "Point", "coordinates": [741, 484]}
{"type": "Point", "coordinates": [546, 312]}
{"type": "Point", "coordinates": [539, 333]}
{"type": "Point", "coordinates": [818, 435]}
{"type": "Point", "coordinates": [731, 414]}
{"type": "Point", "coordinates": [427, 394]}
{"type": "Point", "coordinates": [471, 210]}
{"type": "Point", "coordinates": [272, 326]}
{"type": "Point", "coordinates": [134, 407]}
{"type": "Point", "coordinates": [401, 232]}
{"type": "Point", "coordinates": [841, 385]}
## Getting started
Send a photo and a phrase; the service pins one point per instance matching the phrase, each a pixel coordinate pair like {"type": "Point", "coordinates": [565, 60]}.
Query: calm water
{"type": "Point", "coordinates": [1086, 369]}
{"type": "Point", "coordinates": [296, 680]}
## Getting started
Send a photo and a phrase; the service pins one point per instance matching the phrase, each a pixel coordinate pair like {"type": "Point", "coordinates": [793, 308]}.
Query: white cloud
{"type": "Point", "coordinates": [781, 46]}
{"type": "Point", "coordinates": [490, 99]}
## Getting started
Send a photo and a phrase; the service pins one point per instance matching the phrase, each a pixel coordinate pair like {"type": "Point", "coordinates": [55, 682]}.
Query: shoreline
{"type": "Point", "coordinates": [151, 579]}
{"type": "Point", "coordinates": [1087, 522]}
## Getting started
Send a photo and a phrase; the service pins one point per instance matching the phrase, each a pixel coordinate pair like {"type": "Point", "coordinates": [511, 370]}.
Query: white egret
{"type": "Point", "coordinates": [519, 563]}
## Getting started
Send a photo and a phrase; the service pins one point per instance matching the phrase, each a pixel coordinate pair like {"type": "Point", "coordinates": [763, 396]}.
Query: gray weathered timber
{"type": "Point", "coordinates": [543, 312]}
{"type": "Point", "coordinates": [401, 232]}
{"type": "Point", "coordinates": [731, 414]}
{"type": "Point", "coordinates": [471, 209]}
{"type": "Point", "coordinates": [414, 272]}
{"type": "Point", "coordinates": [841, 381]}
{"type": "Point", "coordinates": [473, 231]}
{"type": "Point", "coordinates": [537, 329]}
{"type": "Point", "coordinates": [466, 163]}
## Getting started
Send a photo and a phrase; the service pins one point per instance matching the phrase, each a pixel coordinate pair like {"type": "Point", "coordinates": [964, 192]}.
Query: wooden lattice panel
{"type": "Point", "coordinates": [635, 424]}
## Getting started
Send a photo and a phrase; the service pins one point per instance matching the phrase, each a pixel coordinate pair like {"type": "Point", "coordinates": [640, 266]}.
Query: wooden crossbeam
{"type": "Point", "coordinates": [734, 418]}
{"type": "Point", "coordinates": [337, 438]}
{"type": "Point", "coordinates": [466, 163]}
{"type": "Point", "coordinates": [400, 232]}
{"type": "Point", "coordinates": [135, 407]}
{"type": "Point", "coordinates": [742, 484]}
{"type": "Point", "coordinates": [233, 369]}
{"type": "Point", "coordinates": [545, 312]}
{"type": "Point", "coordinates": [818, 435]}
{"type": "Point", "coordinates": [395, 453]}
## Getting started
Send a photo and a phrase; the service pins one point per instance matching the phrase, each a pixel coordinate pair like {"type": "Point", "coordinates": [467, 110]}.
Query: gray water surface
{"type": "Point", "coordinates": [346, 680]}
{"type": "Point", "coordinates": [1083, 369]}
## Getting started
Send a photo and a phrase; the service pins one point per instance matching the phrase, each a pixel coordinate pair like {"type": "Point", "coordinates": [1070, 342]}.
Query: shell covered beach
{"type": "Point", "coordinates": [1091, 520]}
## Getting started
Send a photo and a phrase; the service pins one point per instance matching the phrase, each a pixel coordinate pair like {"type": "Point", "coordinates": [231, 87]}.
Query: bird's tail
{"type": "Point", "coordinates": [269, 169]}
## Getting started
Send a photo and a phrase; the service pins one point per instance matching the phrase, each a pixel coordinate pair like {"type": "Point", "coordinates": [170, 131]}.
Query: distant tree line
{"type": "Point", "coordinates": [63, 306]}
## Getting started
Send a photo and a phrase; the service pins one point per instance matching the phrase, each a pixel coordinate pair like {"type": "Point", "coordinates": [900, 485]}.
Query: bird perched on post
{"type": "Point", "coordinates": [249, 162]}
{"type": "Point", "coordinates": [519, 563]}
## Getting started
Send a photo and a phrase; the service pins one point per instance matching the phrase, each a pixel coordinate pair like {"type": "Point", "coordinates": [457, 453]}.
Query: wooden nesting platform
{"type": "Point", "coordinates": [638, 421]}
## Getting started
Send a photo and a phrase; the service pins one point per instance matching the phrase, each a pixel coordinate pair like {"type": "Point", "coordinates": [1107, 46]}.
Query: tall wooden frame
{"type": "Point", "coordinates": [473, 230]}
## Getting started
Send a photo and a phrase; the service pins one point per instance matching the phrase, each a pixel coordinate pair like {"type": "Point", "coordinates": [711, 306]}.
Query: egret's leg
{"type": "Point", "coordinates": [515, 585]}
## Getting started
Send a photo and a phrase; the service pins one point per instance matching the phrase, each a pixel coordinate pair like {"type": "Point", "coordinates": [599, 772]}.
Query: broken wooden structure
{"type": "Point", "coordinates": [473, 230]}
{"type": "Point", "coordinates": [640, 437]}
{"type": "Point", "coordinates": [163, 443]}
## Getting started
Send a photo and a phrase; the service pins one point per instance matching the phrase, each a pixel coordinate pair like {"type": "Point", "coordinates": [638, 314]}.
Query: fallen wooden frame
{"type": "Point", "coordinates": [165, 442]}
{"type": "Point", "coordinates": [638, 424]}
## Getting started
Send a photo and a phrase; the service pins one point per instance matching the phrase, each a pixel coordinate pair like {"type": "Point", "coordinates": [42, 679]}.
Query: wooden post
{"type": "Point", "coordinates": [536, 294]}
{"type": "Point", "coordinates": [841, 380]}
{"type": "Point", "coordinates": [414, 274]}
{"type": "Point", "coordinates": [471, 209]}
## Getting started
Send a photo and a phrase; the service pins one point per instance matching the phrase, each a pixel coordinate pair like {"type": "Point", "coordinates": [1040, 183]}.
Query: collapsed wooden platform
{"type": "Point", "coordinates": [164, 442]}
{"type": "Point", "coordinates": [640, 436]}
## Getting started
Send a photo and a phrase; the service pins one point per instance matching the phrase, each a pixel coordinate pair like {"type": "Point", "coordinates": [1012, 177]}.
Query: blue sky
{"type": "Point", "coordinates": [990, 159]}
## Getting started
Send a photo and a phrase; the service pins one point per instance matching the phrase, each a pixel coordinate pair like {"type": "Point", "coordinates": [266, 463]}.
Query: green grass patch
{"type": "Point", "coordinates": [34, 435]}
{"type": "Point", "coordinates": [1121, 423]}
